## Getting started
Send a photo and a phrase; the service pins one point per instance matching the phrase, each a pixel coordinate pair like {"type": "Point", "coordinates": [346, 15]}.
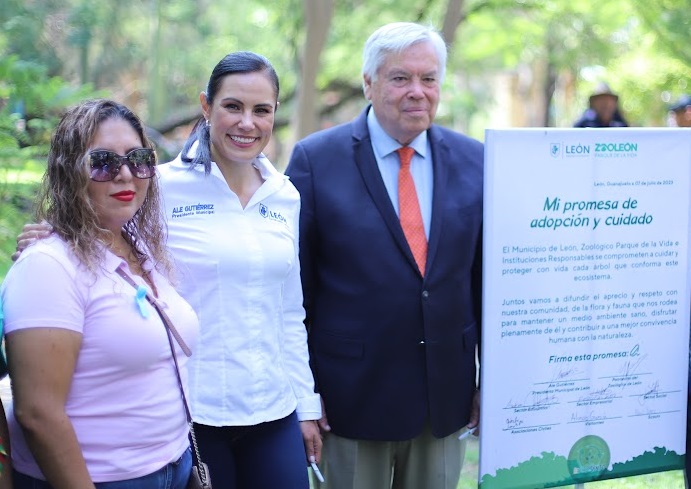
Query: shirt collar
{"type": "Point", "coordinates": [384, 145]}
{"type": "Point", "coordinates": [267, 169]}
{"type": "Point", "coordinates": [261, 163]}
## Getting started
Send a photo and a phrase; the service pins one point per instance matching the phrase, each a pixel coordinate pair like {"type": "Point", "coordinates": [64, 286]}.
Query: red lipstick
{"type": "Point", "coordinates": [124, 196]}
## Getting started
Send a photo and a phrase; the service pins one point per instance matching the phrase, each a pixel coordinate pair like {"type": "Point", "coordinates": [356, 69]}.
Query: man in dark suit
{"type": "Point", "coordinates": [393, 306]}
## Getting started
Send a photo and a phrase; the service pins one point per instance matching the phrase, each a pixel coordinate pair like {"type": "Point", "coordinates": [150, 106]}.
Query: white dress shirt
{"type": "Point", "coordinates": [239, 269]}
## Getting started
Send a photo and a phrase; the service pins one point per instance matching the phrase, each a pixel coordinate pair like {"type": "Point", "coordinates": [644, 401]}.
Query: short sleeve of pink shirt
{"type": "Point", "coordinates": [44, 292]}
{"type": "Point", "coordinates": [124, 402]}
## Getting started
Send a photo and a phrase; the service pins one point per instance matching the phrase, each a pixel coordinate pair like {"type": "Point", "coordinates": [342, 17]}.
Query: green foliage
{"type": "Point", "coordinates": [16, 201]}
{"type": "Point", "coordinates": [551, 470]}
{"type": "Point", "coordinates": [659, 459]}
{"type": "Point", "coordinates": [670, 22]}
{"type": "Point", "coordinates": [548, 467]}
{"type": "Point", "coordinates": [156, 55]}
{"type": "Point", "coordinates": [673, 479]}
{"type": "Point", "coordinates": [30, 104]}
{"type": "Point", "coordinates": [27, 31]}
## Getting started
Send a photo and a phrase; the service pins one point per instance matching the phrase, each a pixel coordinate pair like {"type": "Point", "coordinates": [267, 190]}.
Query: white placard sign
{"type": "Point", "coordinates": [585, 305]}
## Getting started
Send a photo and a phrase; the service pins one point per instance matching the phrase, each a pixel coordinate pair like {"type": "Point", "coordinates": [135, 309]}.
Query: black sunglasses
{"type": "Point", "coordinates": [105, 165]}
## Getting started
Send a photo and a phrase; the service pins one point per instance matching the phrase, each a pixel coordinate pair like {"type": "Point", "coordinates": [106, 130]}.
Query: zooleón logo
{"type": "Point", "coordinates": [616, 150]}
{"type": "Point", "coordinates": [616, 147]}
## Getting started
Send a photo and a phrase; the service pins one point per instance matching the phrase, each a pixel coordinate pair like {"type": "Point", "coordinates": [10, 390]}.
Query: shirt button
{"type": "Point", "coordinates": [425, 294]}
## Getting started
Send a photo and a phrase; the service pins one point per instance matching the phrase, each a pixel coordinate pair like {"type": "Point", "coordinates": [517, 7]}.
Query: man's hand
{"type": "Point", "coordinates": [29, 234]}
{"type": "Point", "coordinates": [474, 422]}
{"type": "Point", "coordinates": [323, 422]}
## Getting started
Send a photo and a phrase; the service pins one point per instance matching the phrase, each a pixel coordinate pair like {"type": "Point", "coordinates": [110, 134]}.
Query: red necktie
{"type": "Point", "coordinates": [409, 210]}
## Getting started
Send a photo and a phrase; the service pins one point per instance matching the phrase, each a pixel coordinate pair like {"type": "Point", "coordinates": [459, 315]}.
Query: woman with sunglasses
{"type": "Point", "coordinates": [96, 396]}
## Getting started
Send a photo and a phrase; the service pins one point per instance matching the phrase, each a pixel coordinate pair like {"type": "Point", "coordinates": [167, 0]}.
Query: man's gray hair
{"type": "Point", "coordinates": [395, 38]}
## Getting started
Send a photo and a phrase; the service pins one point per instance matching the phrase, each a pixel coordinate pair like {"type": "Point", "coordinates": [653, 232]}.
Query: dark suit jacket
{"type": "Point", "coordinates": [389, 349]}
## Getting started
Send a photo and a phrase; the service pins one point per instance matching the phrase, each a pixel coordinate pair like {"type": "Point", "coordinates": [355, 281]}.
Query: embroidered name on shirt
{"type": "Point", "coordinates": [274, 216]}
{"type": "Point", "coordinates": [192, 210]}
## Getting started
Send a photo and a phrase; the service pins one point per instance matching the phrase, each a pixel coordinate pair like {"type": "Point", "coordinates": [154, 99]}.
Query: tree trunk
{"type": "Point", "coordinates": [157, 92]}
{"type": "Point", "coordinates": [550, 81]}
{"type": "Point", "coordinates": [453, 18]}
{"type": "Point", "coordinates": [318, 14]}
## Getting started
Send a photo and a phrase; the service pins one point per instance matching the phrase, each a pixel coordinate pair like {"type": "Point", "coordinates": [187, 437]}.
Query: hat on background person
{"type": "Point", "coordinates": [601, 89]}
{"type": "Point", "coordinates": [681, 104]}
{"type": "Point", "coordinates": [603, 109]}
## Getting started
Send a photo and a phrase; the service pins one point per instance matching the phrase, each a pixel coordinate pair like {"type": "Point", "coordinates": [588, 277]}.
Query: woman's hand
{"type": "Point", "coordinates": [313, 440]}
{"type": "Point", "coordinates": [30, 233]}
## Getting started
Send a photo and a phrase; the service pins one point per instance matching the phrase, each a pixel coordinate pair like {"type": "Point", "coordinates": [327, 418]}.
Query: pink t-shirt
{"type": "Point", "coordinates": [124, 402]}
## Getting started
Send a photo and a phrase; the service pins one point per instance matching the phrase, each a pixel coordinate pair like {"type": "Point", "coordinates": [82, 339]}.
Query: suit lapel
{"type": "Point", "coordinates": [367, 165]}
{"type": "Point", "coordinates": [441, 158]}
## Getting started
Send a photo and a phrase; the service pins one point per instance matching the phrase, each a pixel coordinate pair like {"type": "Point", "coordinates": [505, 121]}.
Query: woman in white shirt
{"type": "Point", "coordinates": [233, 231]}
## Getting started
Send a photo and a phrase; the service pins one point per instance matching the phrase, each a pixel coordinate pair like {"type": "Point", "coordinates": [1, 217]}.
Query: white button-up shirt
{"type": "Point", "coordinates": [239, 269]}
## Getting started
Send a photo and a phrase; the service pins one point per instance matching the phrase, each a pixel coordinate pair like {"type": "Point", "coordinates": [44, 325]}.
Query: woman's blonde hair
{"type": "Point", "coordinates": [63, 199]}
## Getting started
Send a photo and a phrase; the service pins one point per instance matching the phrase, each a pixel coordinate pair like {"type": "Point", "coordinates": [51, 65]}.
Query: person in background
{"type": "Point", "coordinates": [390, 247]}
{"type": "Point", "coordinates": [682, 111]}
{"type": "Point", "coordinates": [233, 233]}
{"type": "Point", "coordinates": [603, 110]}
{"type": "Point", "coordinates": [96, 396]}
